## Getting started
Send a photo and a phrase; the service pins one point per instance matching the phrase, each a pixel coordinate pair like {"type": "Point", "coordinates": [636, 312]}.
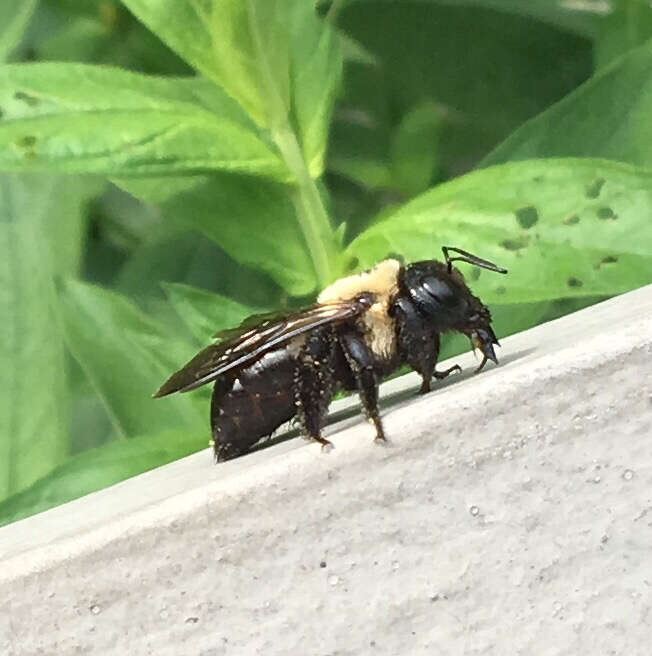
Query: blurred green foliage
{"type": "Point", "coordinates": [172, 166]}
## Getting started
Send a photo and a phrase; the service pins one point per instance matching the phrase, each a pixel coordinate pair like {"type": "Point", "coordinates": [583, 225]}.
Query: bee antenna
{"type": "Point", "coordinates": [470, 259]}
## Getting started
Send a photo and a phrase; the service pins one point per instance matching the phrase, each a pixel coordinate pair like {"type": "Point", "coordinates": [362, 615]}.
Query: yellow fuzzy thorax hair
{"type": "Point", "coordinates": [378, 326]}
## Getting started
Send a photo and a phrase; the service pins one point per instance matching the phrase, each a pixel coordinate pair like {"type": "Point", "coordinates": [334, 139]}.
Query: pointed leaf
{"type": "Point", "coordinates": [415, 149]}
{"type": "Point", "coordinates": [240, 44]}
{"type": "Point", "coordinates": [316, 76]}
{"type": "Point", "coordinates": [126, 356]}
{"type": "Point", "coordinates": [253, 220]}
{"type": "Point", "coordinates": [33, 392]}
{"type": "Point", "coordinates": [78, 118]}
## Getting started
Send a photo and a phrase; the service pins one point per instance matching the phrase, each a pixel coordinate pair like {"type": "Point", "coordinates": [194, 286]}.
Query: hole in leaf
{"type": "Point", "coordinates": [515, 244]}
{"type": "Point", "coordinates": [26, 146]}
{"type": "Point", "coordinates": [26, 142]}
{"type": "Point", "coordinates": [604, 213]}
{"type": "Point", "coordinates": [574, 282]}
{"type": "Point", "coordinates": [609, 259]}
{"type": "Point", "coordinates": [572, 220]}
{"type": "Point", "coordinates": [594, 189]}
{"type": "Point", "coordinates": [28, 99]}
{"type": "Point", "coordinates": [527, 216]}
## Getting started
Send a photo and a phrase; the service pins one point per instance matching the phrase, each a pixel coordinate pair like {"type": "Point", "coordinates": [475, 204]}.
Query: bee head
{"type": "Point", "coordinates": [440, 294]}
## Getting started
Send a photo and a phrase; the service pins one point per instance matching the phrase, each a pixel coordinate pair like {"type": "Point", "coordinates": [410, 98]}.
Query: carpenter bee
{"type": "Point", "coordinates": [274, 367]}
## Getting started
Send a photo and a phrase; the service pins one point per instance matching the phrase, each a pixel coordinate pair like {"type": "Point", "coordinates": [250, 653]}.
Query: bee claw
{"type": "Point", "coordinates": [326, 446]}
{"type": "Point", "coordinates": [482, 364]}
{"type": "Point", "coordinates": [439, 375]}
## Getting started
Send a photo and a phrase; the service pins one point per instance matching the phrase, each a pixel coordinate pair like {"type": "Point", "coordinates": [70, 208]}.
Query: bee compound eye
{"type": "Point", "coordinates": [439, 290]}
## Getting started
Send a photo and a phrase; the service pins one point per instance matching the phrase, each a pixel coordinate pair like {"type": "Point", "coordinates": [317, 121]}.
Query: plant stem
{"type": "Point", "coordinates": [311, 213]}
{"type": "Point", "coordinates": [312, 217]}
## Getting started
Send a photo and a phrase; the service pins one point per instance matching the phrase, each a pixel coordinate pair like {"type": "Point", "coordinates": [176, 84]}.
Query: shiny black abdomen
{"type": "Point", "coordinates": [254, 405]}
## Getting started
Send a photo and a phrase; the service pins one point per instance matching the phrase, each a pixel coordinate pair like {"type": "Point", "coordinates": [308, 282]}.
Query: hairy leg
{"type": "Point", "coordinates": [360, 360]}
{"type": "Point", "coordinates": [314, 382]}
{"type": "Point", "coordinates": [418, 344]}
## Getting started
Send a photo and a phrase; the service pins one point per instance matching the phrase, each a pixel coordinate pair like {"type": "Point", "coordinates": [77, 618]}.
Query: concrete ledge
{"type": "Point", "coordinates": [512, 513]}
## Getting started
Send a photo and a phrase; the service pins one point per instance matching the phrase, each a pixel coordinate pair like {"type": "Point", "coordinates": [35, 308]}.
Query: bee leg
{"type": "Point", "coordinates": [440, 375]}
{"type": "Point", "coordinates": [314, 382]}
{"type": "Point", "coordinates": [418, 343]}
{"type": "Point", "coordinates": [360, 360]}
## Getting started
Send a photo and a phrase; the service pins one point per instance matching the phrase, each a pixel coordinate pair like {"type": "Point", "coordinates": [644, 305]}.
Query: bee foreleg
{"type": "Point", "coordinates": [361, 362]}
{"type": "Point", "coordinates": [314, 382]}
{"type": "Point", "coordinates": [418, 343]}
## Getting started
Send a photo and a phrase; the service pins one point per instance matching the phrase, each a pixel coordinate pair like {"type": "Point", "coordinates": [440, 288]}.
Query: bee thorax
{"type": "Point", "coordinates": [376, 324]}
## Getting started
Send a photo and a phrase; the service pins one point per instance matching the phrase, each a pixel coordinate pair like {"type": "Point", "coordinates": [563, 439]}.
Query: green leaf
{"type": "Point", "coordinates": [66, 223]}
{"type": "Point", "coordinates": [14, 17]}
{"type": "Point", "coordinates": [189, 258]}
{"type": "Point", "coordinates": [627, 26]}
{"type": "Point", "coordinates": [126, 357]}
{"type": "Point", "coordinates": [33, 394]}
{"type": "Point", "coordinates": [245, 47]}
{"type": "Point", "coordinates": [316, 76]}
{"type": "Point", "coordinates": [77, 118]}
{"type": "Point", "coordinates": [563, 228]}
{"type": "Point", "coordinates": [415, 149]}
{"type": "Point", "coordinates": [361, 134]}
{"type": "Point", "coordinates": [206, 313]}
{"type": "Point", "coordinates": [79, 39]}
{"type": "Point", "coordinates": [240, 44]}
{"type": "Point", "coordinates": [275, 57]}
{"type": "Point", "coordinates": [253, 220]}
{"type": "Point", "coordinates": [98, 468]}
{"type": "Point", "coordinates": [608, 117]}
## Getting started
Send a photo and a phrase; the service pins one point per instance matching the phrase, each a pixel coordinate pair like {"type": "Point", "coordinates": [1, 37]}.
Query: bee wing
{"type": "Point", "coordinates": [253, 338]}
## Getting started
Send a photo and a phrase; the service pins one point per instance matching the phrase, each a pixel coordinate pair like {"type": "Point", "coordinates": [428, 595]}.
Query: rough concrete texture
{"type": "Point", "coordinates": [512, 514]}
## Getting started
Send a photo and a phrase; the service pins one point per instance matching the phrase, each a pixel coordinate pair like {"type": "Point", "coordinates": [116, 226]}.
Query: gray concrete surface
{"type": "Point", "coordinates": [511, 514]}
